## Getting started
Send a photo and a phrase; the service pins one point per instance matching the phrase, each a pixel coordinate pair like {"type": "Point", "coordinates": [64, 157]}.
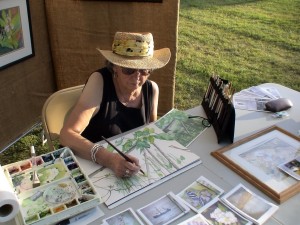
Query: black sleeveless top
{"type": "Point", "coordinates": [113, 117]}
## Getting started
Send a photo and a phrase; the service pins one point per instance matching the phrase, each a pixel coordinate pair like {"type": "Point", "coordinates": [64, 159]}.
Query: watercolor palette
{"type": "Point", "coordinates": [64, 189]}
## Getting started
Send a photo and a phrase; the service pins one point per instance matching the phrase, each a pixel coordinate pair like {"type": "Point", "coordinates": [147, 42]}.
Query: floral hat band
{"type": "Point", "coordinates": [133, 44]}
{"type": "Point", "coordinates": [136, 50]}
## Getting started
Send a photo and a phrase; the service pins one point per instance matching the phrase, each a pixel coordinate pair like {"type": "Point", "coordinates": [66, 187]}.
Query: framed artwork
{"type": "Point", "coordinates": [157, 1]}
{"type": "Point", "coordinates": [256, 159]}
{"type": "Point", "coordinates": [15, 32]}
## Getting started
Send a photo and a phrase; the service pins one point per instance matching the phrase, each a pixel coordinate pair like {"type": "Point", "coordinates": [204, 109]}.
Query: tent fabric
{"type": "Point", "coordinates": [65, 36]}
{"type": "Point", "coordinates": [77, 28]}
{"type": "Point", "coordinates": [25, 85]}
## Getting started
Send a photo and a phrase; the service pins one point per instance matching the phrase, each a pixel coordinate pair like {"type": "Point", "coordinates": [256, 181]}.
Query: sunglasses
{"type": "Point", "coordinates": [130, 71]}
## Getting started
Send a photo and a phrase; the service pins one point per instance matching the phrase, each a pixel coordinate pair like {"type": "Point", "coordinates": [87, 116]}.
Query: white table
{"type": "Point", "coordinates": [247, 123]}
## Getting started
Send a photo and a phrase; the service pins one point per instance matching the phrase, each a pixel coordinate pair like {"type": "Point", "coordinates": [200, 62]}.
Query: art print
{"type": "Point", "coordinates": [200, 194]}
{"type": "Point", "coordinates": [195, 220]}
{"type": "Point", "coordinates": [267, 155]}
{"type": "Point", "coordinates": [127, 216]}
{"type": "Point", "coordinates": [15, 32]}
{"type": "Point", "coordinates": [181, 126]}
{"type": "Point", "coordinates": [291, 167]}
{"type": "Point", "coordinates": [256, 159]}
{"type": "Point", "coordinates": [249, 204]}
{"type": "Point", "coordinates": [163, 211]}
{"type": "Point", "coordinates": [220, 214]}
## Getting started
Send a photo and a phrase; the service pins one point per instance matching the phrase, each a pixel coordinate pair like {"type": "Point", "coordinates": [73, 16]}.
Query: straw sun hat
{"type": "Point", "coordinates": [136, 50]}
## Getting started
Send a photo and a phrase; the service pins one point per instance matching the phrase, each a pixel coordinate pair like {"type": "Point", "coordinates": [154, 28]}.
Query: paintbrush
{"type": "Point", "coordinates": [121, 153]}
{"type": "Point", "coordinates": [35, 178]}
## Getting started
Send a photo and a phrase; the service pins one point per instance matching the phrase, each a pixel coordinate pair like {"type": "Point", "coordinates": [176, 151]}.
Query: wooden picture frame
{"type": "Point", "coordinates": [255, 158]}
{"type": "Point", "coordinates": [15, 32]}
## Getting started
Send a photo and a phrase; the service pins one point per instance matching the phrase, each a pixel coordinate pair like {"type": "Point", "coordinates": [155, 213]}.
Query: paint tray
{"type": "Point", "coordinates": [64, 190]}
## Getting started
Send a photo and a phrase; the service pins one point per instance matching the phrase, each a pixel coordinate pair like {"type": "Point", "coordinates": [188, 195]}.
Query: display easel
{"type": "Point", "coordinates": [217, 104]}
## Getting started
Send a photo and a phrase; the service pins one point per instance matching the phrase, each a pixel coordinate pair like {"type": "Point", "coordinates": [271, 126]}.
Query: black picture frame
{"type": "Point", "coordinates": [16, 42]}
{"type": "Point", "coordinates": [153, 1]}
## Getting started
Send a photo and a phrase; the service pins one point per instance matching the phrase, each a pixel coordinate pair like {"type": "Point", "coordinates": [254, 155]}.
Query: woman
{"type": "Point", "coordinates": [116, 99]}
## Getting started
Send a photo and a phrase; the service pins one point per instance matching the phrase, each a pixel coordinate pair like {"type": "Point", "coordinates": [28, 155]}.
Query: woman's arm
{"type": "Point", "coordinates": [70, 135]}
{"type": "Point", "coordinates": [87, 106]}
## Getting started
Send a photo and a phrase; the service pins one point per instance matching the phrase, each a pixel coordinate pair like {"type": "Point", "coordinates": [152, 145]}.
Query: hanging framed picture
{"type": "Point", "coordinates": [256, 159]}
{"type": "Point", "coordinates": [157, 1]}
{"type": "Point", "coordinates": [15, 32]}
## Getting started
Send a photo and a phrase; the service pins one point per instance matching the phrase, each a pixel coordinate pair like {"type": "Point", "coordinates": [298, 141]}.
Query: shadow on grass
{"type": "Point", "coordinates": [185, 4]}
{"type": "Point", "coordinates": [20, 150]}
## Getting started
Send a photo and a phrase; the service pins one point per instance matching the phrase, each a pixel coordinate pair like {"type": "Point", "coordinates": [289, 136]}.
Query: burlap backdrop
{"type": "Point", "coordinates": [25, 86]}
{"type": "Point", "coordinates": [76, 28]}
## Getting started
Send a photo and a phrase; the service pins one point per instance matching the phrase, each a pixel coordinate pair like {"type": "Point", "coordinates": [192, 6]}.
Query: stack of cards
{"type": "Point", "coordinates": [164, 210]}
{"type": "Point", "coordinates": [238, 206]}
{"type": "Point", "coordinates": [292, 167]}
{"type": "Point", "coordinates": [249, 205]}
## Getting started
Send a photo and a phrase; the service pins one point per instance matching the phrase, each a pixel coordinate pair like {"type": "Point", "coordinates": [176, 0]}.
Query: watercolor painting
{"type": "Point", "coordinates": [200, 194]}
{"type": "Point", "coordinates": [256, 159]}
{"type": "Point", "coordinates": [15, 32]}
{"type": "Point", "coordinates": [181, 127]}
{"type": "Point", "coordinates": [292, 167]}
{"type": "Point", "coordinates": [164, 210]}
{"type": "Point", "coordinates": [127, 216]}
{"type": "Point", "coordinates": [220, 214]}
{"type": "Point", "coordinates": [11, 33]}
{"type": "Point", "coordinates": [159, 156]}
{"type": "Point", "coordinates": [248, 204]}
{"type": "Point", "coordinates": [268, 155]}
{"type": "Point", "coordinates": [195, 220]}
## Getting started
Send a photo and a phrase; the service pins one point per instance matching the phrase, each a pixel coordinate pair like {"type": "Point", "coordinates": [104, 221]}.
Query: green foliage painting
{"type": "Point", "coordinates": [159, 155]}
{"type": "Point", "coordinates": [180, 127]}
{"type": "Point", "coordinates": [11, 35]}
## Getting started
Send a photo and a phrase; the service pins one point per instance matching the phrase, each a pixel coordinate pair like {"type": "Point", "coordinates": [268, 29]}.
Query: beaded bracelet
{"type": "Point", "coordinates": [94, 151]}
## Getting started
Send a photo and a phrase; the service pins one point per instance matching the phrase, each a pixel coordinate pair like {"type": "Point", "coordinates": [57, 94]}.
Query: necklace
{"type": "Point", "coordinates": [123, 101]}
{"type": "Point", "coordinates": [132, 99]}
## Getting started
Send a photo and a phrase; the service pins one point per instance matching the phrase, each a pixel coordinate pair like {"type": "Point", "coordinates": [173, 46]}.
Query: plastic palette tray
{"type": "Point", "coordinates": [64, 189]}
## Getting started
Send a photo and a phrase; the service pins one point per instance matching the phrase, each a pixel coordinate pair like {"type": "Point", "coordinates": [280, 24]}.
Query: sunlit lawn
{"type": "Point", "coordinates": [246, 42]}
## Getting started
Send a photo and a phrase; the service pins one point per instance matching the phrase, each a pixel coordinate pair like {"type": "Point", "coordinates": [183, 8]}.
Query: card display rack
{"type": "Point", "coordinates": [64, 189]}
{"type": "Point", "coordinates": [219, 109]}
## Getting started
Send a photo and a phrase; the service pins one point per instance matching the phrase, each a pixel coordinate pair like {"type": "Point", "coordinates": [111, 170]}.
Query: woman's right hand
{"type": "Point", "coordinates": [123, 168]}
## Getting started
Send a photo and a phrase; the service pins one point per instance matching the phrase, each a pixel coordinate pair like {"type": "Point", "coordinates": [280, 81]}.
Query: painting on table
{"type": "Point", "coordinates": [256, 158]}
{"type": "Point", "coordinates": [160, 157]}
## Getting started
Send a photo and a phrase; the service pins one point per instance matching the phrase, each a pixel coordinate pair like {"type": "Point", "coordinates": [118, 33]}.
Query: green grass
{"type": "Point", "coordinates": [246, 42]}
{"type": "Point", "coordinates": [21, 149]}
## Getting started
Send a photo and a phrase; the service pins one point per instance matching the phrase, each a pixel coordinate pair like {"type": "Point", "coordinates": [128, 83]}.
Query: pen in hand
{"type": "Point", "coordinates": [121, 153]}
